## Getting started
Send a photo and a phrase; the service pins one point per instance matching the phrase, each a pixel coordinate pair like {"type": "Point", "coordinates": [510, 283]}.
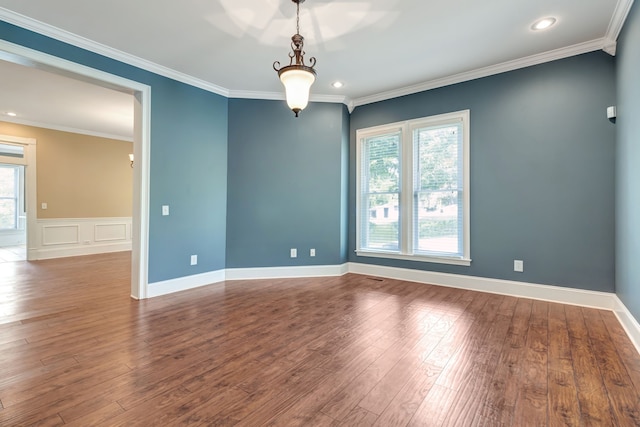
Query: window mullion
{"type": "Point", "coordinates": [406, 194]}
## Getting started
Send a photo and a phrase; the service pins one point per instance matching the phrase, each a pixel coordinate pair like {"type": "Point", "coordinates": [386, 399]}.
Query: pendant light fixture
{"type": "Point", "coordinates": [297, 77]}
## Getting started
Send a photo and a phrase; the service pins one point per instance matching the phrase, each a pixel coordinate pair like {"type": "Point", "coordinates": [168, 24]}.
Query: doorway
{"type": "Point", "coordinates": [17, 196]}
{"type": "Point", "coordinates": [141, 98]}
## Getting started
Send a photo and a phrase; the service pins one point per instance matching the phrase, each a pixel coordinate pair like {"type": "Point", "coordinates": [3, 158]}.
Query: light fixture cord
{"type": "Point", "coordinates": [297, 17]}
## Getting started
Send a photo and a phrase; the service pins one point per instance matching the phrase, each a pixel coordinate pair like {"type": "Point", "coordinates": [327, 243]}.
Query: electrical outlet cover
{"type": "Point", "coordinates": [518, 265]}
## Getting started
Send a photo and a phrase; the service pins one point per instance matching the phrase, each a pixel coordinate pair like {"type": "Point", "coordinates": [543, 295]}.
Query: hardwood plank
{"type": "Point", "coordinates": [623, 345]}
{"type": "Point", "coordinates": [624, 399]}
{"type": "Point", "coordinates": [298, 408]}
{"type": "Point", "coordinates": [531, 406]}
{"type": "Point", "coordinates": [562, 399]}
{"type": "Point", "coordinates": [434, 408]}
{"type": "Point", "coordinates": [207, 413]}
{"type": "Point", "coordinates": [131, 391]}
{"type": "Point", "coordinates": [273, 394]}
{"type": "Point", "coordinates": [407, 401]}
{"type": "Point", "coordinates": [595, 409]}
{"type": "Point", "coordinates": [403, 371]}
{"type": "Point", "coordinates": [448, 357]}
{"type": "Point", "coordinates": [160, 410]}
{"type": "Point", "coordinates": [489, 333]}
{"type": "Point", "coordinates": [103, 414]}
{"type": "Point", "coordinates": [500, 401]}
{"type": "Point", "coordinates": [331, 351]}
{"type": "Point", "coordinates": [359, 417]}
{"type": "Point", "coordinates": [404, 355]}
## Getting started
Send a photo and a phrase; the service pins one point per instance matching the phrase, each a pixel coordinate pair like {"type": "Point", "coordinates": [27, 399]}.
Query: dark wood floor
{"type": "Point", "coordinates": [346, 351]}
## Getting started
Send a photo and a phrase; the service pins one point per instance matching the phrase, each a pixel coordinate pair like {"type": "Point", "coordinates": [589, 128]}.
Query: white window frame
{"type": "Point", "coordinates": [406, 199]}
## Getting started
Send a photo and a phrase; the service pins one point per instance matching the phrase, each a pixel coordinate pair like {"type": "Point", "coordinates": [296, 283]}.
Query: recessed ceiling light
{"type": "Point", "coordinates": [543, 24]}
{"type": "Point", "coordinates": [337, 85]}
{"type": "Point", "coordinates": [11, 113]}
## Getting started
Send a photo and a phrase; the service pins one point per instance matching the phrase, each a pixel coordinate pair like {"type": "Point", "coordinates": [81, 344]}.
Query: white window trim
{"type": "Point", "coordinates": [406, 197]}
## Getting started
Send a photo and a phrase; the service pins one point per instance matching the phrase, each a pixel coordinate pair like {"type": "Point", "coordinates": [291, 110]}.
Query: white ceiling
{"type": "Point", "coordinates": [378, 48]}
{"type": "Point", "coordinates": [42, 98]}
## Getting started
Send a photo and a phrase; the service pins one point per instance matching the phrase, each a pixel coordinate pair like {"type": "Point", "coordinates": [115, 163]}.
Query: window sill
{"type": "Point", "coordinates": [421, 258]}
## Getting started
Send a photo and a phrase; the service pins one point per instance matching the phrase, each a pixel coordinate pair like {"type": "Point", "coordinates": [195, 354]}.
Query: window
{"type": "Point", "coordinates": [10, 197]}
{"type": "Point", "coordinates": [413, 190]}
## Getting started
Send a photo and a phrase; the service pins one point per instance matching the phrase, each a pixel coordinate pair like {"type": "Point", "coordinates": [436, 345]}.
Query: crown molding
{"type": "Point", "coordinates": [607, 43]}
{"type": "Point", "coordinates": [250, 94]}
{"type": "Point", "coordinates": [337, 99]}
{"type": "Point", "coordinates": [279, 96]}
{"type": "Point", "coordinates": [491, 70]}
{"type": "Point", "coordinates": [617, 20]}
{"type": "Point", "coordinates": [69, 129]}
{"type": "Point", "coordinates": [610, 46]}
{"type": "Point", "coordinates": [101, 49]}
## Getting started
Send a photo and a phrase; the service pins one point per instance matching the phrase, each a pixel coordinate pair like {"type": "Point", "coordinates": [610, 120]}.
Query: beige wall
{"type": "Point", "coordinates": [79, 176]}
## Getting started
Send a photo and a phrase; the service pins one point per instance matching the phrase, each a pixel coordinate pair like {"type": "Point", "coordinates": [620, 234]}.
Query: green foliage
{"type": "Point", "coordinates": [437, 151]}
{"type": "Point", "coordinates": [383, 164]}
{"type": "Point", "coordinates": [383, 236]}
{"type": "Point", "coordinates": [434, 228]}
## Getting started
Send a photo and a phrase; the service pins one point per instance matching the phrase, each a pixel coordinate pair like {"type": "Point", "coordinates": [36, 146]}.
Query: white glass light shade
{"type": "Point", "coordinates": [297, 84]}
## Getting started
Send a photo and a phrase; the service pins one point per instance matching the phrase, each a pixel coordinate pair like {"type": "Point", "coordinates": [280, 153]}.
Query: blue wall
{"type": "Point", "coordinates": [188, 162]}
{"type": "Point", "coordinates": [542, 170]}
{"type": "Point", "coordinates": [285, 184]}
{"type": "Point", "coordinates": [344, 172]}
{"type": "Point", "coordinates": [628, 165]}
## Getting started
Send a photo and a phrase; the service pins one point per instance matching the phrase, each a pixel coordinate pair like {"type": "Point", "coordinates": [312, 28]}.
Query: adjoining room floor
{"type": "Point", "coordinates": [13, 253]}
{"type": "Point", "coordinates": [332, 351]}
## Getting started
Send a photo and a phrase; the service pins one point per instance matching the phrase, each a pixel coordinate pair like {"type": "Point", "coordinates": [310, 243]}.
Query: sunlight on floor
{"type": "Point", "coordinates": [13, 253]}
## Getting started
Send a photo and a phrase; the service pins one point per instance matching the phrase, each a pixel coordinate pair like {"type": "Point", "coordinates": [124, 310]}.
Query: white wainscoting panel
{"type": "Point", "coordinates": [63, 237]}
{"type": "Point", "coordinates": [60, 234]}
{"type": "Point", "coordinates": [110, 232]}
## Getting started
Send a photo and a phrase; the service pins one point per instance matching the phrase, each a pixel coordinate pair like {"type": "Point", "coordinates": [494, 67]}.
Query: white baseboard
{"type": "Point", "coordinates": [584, 298]}
{"type": "Point", "coordinates": [50, 253]}
{"type": "Point", "coordinates": [190, 282]}
{"type": "Point", "coordinates": [628, 322]}
{"type": "Point", "coordinates": [286, 272]}
{"type": "Point", "coordinates": [183, 283]}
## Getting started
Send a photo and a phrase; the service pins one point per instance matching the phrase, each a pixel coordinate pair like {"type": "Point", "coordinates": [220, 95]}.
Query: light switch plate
{"type": "Point", "coordinates": [165, 210]}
